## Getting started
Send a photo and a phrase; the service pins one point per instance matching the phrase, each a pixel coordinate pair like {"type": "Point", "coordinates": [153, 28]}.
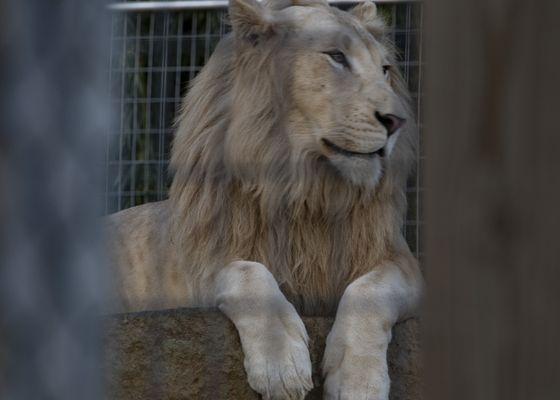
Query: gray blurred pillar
{"type": "Point", "coordinates": [492, 200]}
{"type": "Point", "coordinates": [53, 68]}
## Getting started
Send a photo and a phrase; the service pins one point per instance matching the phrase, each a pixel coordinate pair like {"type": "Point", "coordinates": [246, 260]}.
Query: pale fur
{"type": "Point", "coordinates": [252, 183]}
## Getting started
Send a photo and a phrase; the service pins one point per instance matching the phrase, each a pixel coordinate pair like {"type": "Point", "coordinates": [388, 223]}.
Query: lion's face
{"type": "Point", "coordinates": [343, 105]}
{"type": "Point", "coordinates": [340, 103]}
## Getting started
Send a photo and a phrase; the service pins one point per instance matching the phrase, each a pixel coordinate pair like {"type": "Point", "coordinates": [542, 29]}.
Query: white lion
{"type": "Point", "coordinates": [291, 157]}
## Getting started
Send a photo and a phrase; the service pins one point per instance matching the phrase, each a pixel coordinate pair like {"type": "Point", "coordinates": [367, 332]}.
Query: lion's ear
{"type": "Point", "coordinates": [249, 19]}
{"type": "Point", "coordinates": [366, 13]}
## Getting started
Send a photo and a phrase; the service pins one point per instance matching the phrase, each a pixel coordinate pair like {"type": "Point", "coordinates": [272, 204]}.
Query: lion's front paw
{"type": "Point", "coordinates": [353, 374]}
{"type": "Point", "coordinates": [280, 374]}
{"type": "Point", "coordinates": [273, 337]}
{"type": "Point", "coordinates": [356, 380]}
{"type": "Point", "coordinates": [277, 362]}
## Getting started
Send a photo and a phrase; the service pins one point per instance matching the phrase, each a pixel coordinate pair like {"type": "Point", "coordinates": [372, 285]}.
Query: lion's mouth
{"type": "Point", "coordinates": [349, 153]}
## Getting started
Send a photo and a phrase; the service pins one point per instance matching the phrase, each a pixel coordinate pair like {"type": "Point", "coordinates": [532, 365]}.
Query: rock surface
{"type": "Point", "coordinates": [196, 354]}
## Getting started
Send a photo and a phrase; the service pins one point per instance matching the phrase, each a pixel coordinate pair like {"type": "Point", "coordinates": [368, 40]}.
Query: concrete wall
{"type": "Point", "coordinates": [196, 354]}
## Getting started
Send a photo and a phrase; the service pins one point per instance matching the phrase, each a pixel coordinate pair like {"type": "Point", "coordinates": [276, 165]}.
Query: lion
{"type": "Point", "coordinates": [290, 160]}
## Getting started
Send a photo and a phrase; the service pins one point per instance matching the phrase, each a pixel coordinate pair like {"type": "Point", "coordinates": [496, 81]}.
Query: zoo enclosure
{"type": "Point", "coordinates": [157, 47]}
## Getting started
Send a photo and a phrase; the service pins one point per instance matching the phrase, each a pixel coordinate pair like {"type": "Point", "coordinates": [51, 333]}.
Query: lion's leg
{"type": "Point", "coordinates": [272, 334]}
{"type": "Point", "coordinates": [355, 359]}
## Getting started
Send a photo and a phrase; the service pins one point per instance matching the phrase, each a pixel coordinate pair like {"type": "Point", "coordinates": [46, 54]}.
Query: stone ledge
{"type": "Point", "coordinates": [196, 354]}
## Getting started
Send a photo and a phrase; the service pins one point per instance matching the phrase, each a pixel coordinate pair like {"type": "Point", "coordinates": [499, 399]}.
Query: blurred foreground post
{"type": "Point", "coordinates": [52, 108]}
{"type": "Point", "coordinates": [492, 200]}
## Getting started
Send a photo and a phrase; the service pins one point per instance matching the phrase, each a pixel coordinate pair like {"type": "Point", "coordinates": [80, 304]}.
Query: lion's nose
{"type": "Point", "coordinates": [390, 121]}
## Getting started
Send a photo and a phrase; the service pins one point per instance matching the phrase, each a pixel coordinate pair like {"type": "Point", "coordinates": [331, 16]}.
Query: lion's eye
{"type": "Point", "coordinates": [338, 57]}
{"type": "Point", "coordinates": [386, 69]}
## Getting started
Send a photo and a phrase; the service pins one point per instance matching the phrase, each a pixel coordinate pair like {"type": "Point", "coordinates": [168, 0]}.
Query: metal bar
{"type": "Point", "coordinates": [136, 85]}
{"type": "Point", "coordinates": [419, 149]}
{"type": "Point", "coordinates": [163, 95]}
{"type": "Point", "coordinates": [122, 125]}
{"type": "Point", "coordinates": [206, 4]}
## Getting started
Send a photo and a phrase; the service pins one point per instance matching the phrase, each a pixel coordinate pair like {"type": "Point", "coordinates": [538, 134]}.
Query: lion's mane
{"type": "Point", "coordinates": [238, 192]}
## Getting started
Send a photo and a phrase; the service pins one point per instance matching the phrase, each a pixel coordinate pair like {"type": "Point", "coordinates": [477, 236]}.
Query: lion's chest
{"type": "Point", "coordinates": [315, 265]}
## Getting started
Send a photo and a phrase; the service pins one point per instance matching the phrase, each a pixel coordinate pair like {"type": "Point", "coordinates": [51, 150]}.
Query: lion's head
{"type": "Point", "coordinates": [335, 81]}
{"type": "Point", "coordinates": [306, 89]}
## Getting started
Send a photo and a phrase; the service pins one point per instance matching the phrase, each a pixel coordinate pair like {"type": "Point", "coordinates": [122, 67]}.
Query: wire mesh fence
{"type": "Point", "coordinates": [156, 52]}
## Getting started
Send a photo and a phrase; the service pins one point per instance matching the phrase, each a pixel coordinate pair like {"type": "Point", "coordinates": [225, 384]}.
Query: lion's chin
{"type": "Point", "coordinates": [363, 172]}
